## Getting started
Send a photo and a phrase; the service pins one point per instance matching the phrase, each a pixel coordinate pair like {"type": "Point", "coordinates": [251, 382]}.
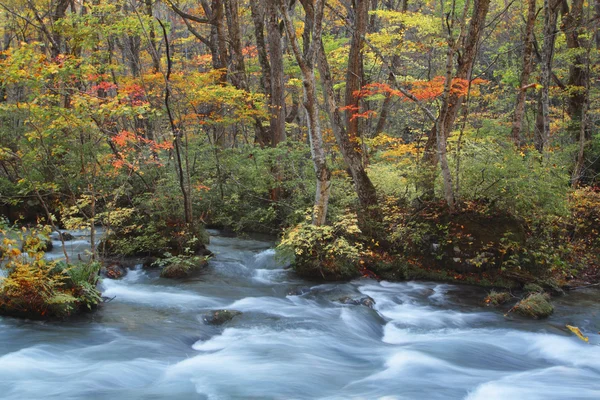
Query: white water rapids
{"type": "Point", "coordinates": [294, 340]}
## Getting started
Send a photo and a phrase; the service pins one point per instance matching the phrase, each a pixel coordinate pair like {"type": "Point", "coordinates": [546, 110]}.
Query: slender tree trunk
{"type": "Point", "coordinates": [354, 71]}
{"type": "Point", "coordinates": [185, 189]}
{"type": "Point", "coordinates": [442, 133]}
{"type": "Point", "coordinates": [306, 61]}
{"type": "Point", "coordinates": [584, 133]}
{"type": "Point", "coordinates": [258, 17]}
{"type": "Point", "coordinates": [351, 151]}
{"type": "Point", "coordinates": [154, 54]}
{"type": "Point", "coordinates": [550, 20]}
{"type": "Point", "coordinates": [58, 13]}
{"type": "Point", "coordinates": [233, 27]}
{"type": "Point", "coordinates": [465, 46]}
{"type": "Point", "coordinates": [93, 220]}
{"type": "Point", "coordinates": [571, 23]}
{"type": "Point", "coordinates": [277, 99]}
{"type": "Point", "coordinates": [525, 73]}
{"type": "Point", "coordinates": [239, 77]}
{"type": "Point", "coordinates": [597, 25]}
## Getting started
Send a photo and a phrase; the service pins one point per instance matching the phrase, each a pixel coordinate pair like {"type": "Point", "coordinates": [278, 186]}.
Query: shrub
{"type": "Point", "coordinates": [522, 183]}
{"type": "Point", "coordinates": [149, 229]}
{"type": "Point", "coordinates": [497, 298]}
{"type": "Point", "coordinates": [536, 305]}
{"type": "Point", "coordinates": [328, 252]}
{"type": "Point", "coordinates": [37, 288]}
{"type": "Point", "coordinates": [181, 266]}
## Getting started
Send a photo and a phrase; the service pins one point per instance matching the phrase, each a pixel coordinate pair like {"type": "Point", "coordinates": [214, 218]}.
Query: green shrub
{"type": "Point", "coordinates": [180, 266]}
{"type": "Point", "coordinates": [497, 298]}
{"type": "Point", "coordinates": [37, 288]}
{"type": "Point", "coordinates": [523, 183]}
{"type": "Point", "coordinates": [327, 252]}
{"type": "Point", "coordinates": [536, 305]}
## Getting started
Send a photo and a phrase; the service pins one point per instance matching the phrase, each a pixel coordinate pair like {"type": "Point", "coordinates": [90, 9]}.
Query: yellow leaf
{"type": "Point", "coordinates": [576, 331]}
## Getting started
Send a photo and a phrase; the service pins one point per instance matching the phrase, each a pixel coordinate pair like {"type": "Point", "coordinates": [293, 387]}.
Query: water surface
{"type": "Point", "coordinates": [294, 340]}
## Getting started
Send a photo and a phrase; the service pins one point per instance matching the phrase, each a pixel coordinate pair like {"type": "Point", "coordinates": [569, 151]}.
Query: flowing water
{"type": "Point", "coordinates": [294, 340]}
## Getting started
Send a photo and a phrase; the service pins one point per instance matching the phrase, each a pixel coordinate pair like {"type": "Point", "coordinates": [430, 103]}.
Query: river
{"type": "Point", "coordinates": [294, 340]}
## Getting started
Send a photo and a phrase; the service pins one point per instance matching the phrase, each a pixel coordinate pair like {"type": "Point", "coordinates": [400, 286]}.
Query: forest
{"type": "Point", "coordinates": [300, 199]}
{"type": "Point", "coordinates": [448, 140]}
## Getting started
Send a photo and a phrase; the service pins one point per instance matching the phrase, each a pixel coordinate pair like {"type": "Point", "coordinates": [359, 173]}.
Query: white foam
{"type": "Point", "coordinates": [153, 295]}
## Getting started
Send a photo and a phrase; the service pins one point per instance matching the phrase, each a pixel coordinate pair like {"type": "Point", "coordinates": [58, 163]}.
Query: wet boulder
{"type": "Point", "coordinates": [66, 236]}
{"type": "Point", "coordinates": [113, 271]}
{"type": "Point", "coordinates": [366, 301]}
{"type": "Point", "coordinates": [219, 317]}
{"type": "Point", "coordinates": [536, 306]}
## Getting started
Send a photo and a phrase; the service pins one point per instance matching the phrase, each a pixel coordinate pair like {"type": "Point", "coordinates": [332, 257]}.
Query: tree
{"type": "Point", "coordinates": [525, 72]}
{"type": "Point", "coordinates": [306, 61]}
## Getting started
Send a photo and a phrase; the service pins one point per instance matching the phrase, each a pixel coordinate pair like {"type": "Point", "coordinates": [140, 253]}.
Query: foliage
{"type": "Point", "coordinates": [497, 298]}
{"type": "Point", "coordinates": [182, 265]}
{"type": "Point", "coordinates": [93, 130]}
{"type": "Point", "coordinates": [330, 251]}
{"type": "Point", "coordinates": [36, 288]}
{"type": "Point", "coordinates": [536, 305]}
{"type": "Point", "coordinates": [521, 182]}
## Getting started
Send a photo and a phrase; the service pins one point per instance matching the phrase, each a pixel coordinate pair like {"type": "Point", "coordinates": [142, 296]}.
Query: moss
{"type": "Point", "coordinates": [183, 269]}
{"type": "Point", "coordinates": [536, 306]}
{"type": "Point", "coordinates": [497, 298]}
{"type": "Point", "coordinates": [400, 269]}
{"type": "Point", "coordinates": [338, 270]}
{"type": "Point", "coordinates": [533, 288]}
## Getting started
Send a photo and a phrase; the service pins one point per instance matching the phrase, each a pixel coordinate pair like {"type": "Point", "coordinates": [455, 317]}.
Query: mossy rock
{"type": "Point", "coordinates": [182, 270]}
{"type": "Point", "coordinates": [533, 288]}
{"type": "Point", "coordinates": [338, 270]}
{"type": "Point", "coordinates": [219, 317]}
{"type": "Point", "coordinates": [536, 306]}
{"type": "Point", "coordinates": [497, 298]}
{"type": "Point", "coordinates": [366, 301]}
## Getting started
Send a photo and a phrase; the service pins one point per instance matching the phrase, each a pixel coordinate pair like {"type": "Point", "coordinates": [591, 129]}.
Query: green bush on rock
{"type": "Point", "coordinates": [39, 289]}
{"type": "Point", "coordinates": [329, 252]}
{"type": "Point", "coordinates": [536, 306]}
{"type": "Point", "coordinates": [182, 266]}
{"type": "Point", "coordinates": [497, 298]}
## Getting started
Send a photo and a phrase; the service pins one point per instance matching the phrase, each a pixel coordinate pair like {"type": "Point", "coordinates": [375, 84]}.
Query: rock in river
{"type": "Point", "coordinates": [219, 317]}
{"type": "Point", "coordinates": [366, 301]}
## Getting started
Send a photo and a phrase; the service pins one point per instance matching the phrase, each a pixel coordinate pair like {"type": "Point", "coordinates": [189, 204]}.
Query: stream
{"type": "Point", "coordinates": [295, 340]}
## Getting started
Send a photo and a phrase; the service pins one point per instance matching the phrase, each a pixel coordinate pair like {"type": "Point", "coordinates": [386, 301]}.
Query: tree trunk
{"type": "Point", "coordinates": [258, 17]}
{"type": "Point", "coordinates": [233, 27]}
{"type": "Point", "coordinates": [597, 18]}
{"type": "Point", "coordinates": [571, 23]}
{"type": "Point", "coordinates": [354, 71]}
{"type": "Point", "coordinates": [185, 188]}
{"type": "Point", "coordinates": [465, 46]}
{"type": "Point", "coordinates": [277, 99]}
{"type": "Point", "coordinates": [550, 19]}
{"type": "Point", "coordinates": [351, 151]}
{"type": "Point", "coordinates": [306, 61]}
{"type": "Point", "coordinates": [152, 38]}
{"type": "Point", "coordinates": [525, 73]}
